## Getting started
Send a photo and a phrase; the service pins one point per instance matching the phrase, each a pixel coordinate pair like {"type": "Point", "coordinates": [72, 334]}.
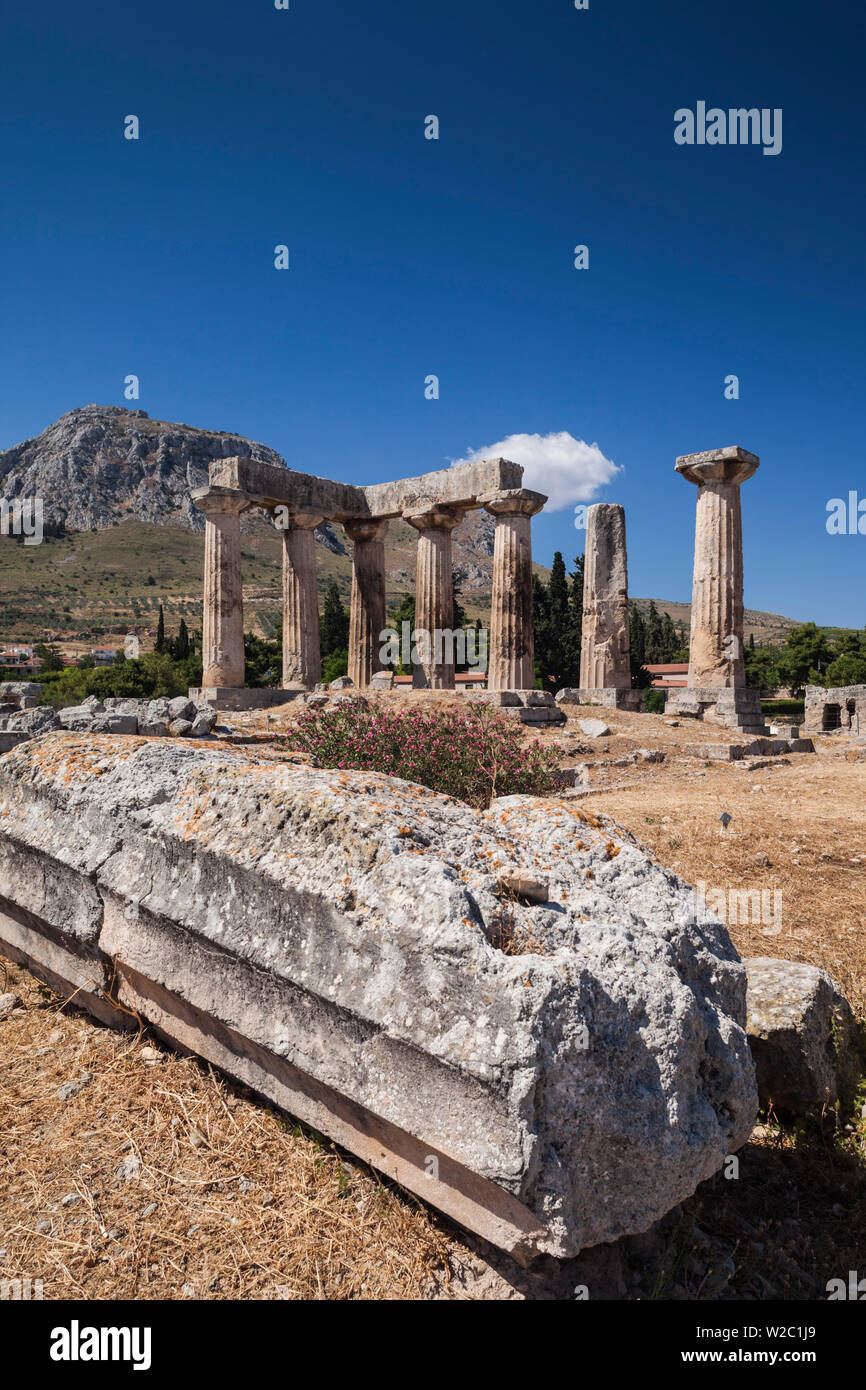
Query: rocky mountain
{"type": "Point", "coordinates": [100, 465]}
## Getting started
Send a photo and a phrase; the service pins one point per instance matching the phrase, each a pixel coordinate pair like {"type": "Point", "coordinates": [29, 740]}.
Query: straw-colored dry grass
{"type": "Point", "coordinates": [183, 1185]}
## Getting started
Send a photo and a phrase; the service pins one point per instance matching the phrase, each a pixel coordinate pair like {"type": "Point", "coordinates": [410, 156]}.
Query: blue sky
{"type": "Point", "coordinates": [455, 257]}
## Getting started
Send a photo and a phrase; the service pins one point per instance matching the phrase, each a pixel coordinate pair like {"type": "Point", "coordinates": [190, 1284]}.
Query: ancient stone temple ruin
{"type": "Point", "coordinates": [434, 504]}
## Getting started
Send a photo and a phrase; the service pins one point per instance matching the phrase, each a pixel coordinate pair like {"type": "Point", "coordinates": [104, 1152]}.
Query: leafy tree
{"type": "Point", "coordinates": [263, 660]}
{"type": "Point", "coordinates": [847, 669]}
{"type": "Point", "coordinates": [805, 657]}
{"type": "Point", "coordinates": [146, 677]}
{"type": "Point", "coordinates": [50, 658]}
{"type": "Point", "coordinates": [159, 645]}
{"type": "Point", "coordinates": [762, 667]}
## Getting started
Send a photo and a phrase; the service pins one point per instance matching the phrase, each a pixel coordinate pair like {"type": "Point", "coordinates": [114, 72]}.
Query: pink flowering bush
{"type": "Point", "coordinates": [474, 754]}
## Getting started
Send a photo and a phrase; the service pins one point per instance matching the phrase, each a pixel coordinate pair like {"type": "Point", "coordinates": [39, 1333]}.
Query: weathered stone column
{"type": "Point", "coordinates": [605, 646]}
{"type": "Point", "coordinates": [434, 595]}
{"type": "Point", "coordinates": [367, 614]}
{"type": "Point", "coordinates": [302, 658]}
{"type": "Point", "coordinates": [223, 616]}
{"type": "Point", "coordinates": [716, 651]}
{"type": "Point", "coordinates": [511, 663]}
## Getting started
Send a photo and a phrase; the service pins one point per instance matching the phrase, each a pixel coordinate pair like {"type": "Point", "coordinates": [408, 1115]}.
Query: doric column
{"type": "Point", "coordinates": [605, 648]}
{"type": "Point", "coordinates": [367, 614]}
{"type": "Point", "coordinates": [223, 617]}
{"type": "Point", "coordinates": [434, 595]}
{"type": "Point", "coordinates": [302, 658]}
{"type": "Point", "coordinates": [511, 664]}
{"type": "Point", "coordinates": [716, 650]}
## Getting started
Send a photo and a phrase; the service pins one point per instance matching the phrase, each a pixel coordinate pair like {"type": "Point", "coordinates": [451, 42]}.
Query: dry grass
{"type": "Point", "coordinates": [805, 815]}
{"type": "Point", "coordinates": [183, 1186]}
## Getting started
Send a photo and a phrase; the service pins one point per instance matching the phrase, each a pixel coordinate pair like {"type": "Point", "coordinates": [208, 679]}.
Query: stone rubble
{"type": "Point", "coordinates": [162, 717]}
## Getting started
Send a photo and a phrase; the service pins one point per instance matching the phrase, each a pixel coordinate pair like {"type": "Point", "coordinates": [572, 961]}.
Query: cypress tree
{"type": "Point", "coordinates": [334, 629]}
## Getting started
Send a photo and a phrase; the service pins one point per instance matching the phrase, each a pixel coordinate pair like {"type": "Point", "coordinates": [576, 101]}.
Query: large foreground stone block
{"type": "Point", "coordinates": [802, 1035]}
{"type": "Point", "coordinates": [552, 1074]}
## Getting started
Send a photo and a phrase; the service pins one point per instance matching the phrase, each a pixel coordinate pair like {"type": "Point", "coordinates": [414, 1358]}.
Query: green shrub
{"type": "Point", "coordinates": [783, 706]}
{"type": "Point", "coordinates": [147, 677]}
{"type": "Point", "coordinates": [654, 701]}
{"type": "Point", "coordinates": [334, 665]}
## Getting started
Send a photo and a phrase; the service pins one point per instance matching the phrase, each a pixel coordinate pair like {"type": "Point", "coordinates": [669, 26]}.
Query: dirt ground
{"type": "Point", "coordinates": [159, 1178]}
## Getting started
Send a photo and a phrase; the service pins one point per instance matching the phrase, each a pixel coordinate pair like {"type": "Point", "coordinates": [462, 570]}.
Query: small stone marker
{"type": "Point", "coordinates": [525, 883]}
{"type": "Point", "coordinates": [594, 728]}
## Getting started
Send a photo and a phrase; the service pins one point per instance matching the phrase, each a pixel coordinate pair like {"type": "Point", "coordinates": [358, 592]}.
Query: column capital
{"type": "Point", "coordinates": [296, 521]}
{"type": "Point", "coordinates": [434, 516]}
{"type": "Point", "coordinates": [513, 501]}
{"type": "Point", "coordinates": [729, 465]}
{"type": "Point", "coordinates": [220, 499]}
{"type": "Point", "coordinates": [365, 528]}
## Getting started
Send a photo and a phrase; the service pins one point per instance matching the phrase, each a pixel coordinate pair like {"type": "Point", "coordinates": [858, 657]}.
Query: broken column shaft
{"type": "Point", "coordinates": [605, 661]}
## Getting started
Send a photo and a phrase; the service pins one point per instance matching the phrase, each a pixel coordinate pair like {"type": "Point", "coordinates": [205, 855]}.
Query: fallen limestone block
{"type": "Point", "coordinates": [154, 728]}
{"type": "Point", "coordinates": [8, 1002]}
{"type": "Point", "coordinates": [34, 721]}
{"type": "Point", "coordinates": [537, 699]}
{"type": "Point", "coordinates": [14, 690]}
{"type": "Point", "coordinates": [717, 752]}
{"type": "Point", "coordinates": [572, 776]}
{"type": "Point", "coordinates": [801, 1033]}
{"type": "Point", "coordinates": [113, 723]}
{"type": "Point", "coordinates": [650, 755]}
{"type": "Point", "coordinates": [181, 708]}
{"type": "Point", "coordinates": [180, 728]}
{"type": "Point", "coordinates": [11, 740]}
{"type": "Point", "coordinates": [327, 937]}
{"type": "Point", "coordinates": [593, 728]}
{"type": "Point", "coordinates": [525, 883]}
{"type": "Point", "coordinates": [502, 699]}
{"type": "Point", "coordinates": [78, 717]}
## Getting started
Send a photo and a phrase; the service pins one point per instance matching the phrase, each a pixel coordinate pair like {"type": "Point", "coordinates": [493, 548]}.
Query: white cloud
{"type": "Point", "coordinates": [566, 469]}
